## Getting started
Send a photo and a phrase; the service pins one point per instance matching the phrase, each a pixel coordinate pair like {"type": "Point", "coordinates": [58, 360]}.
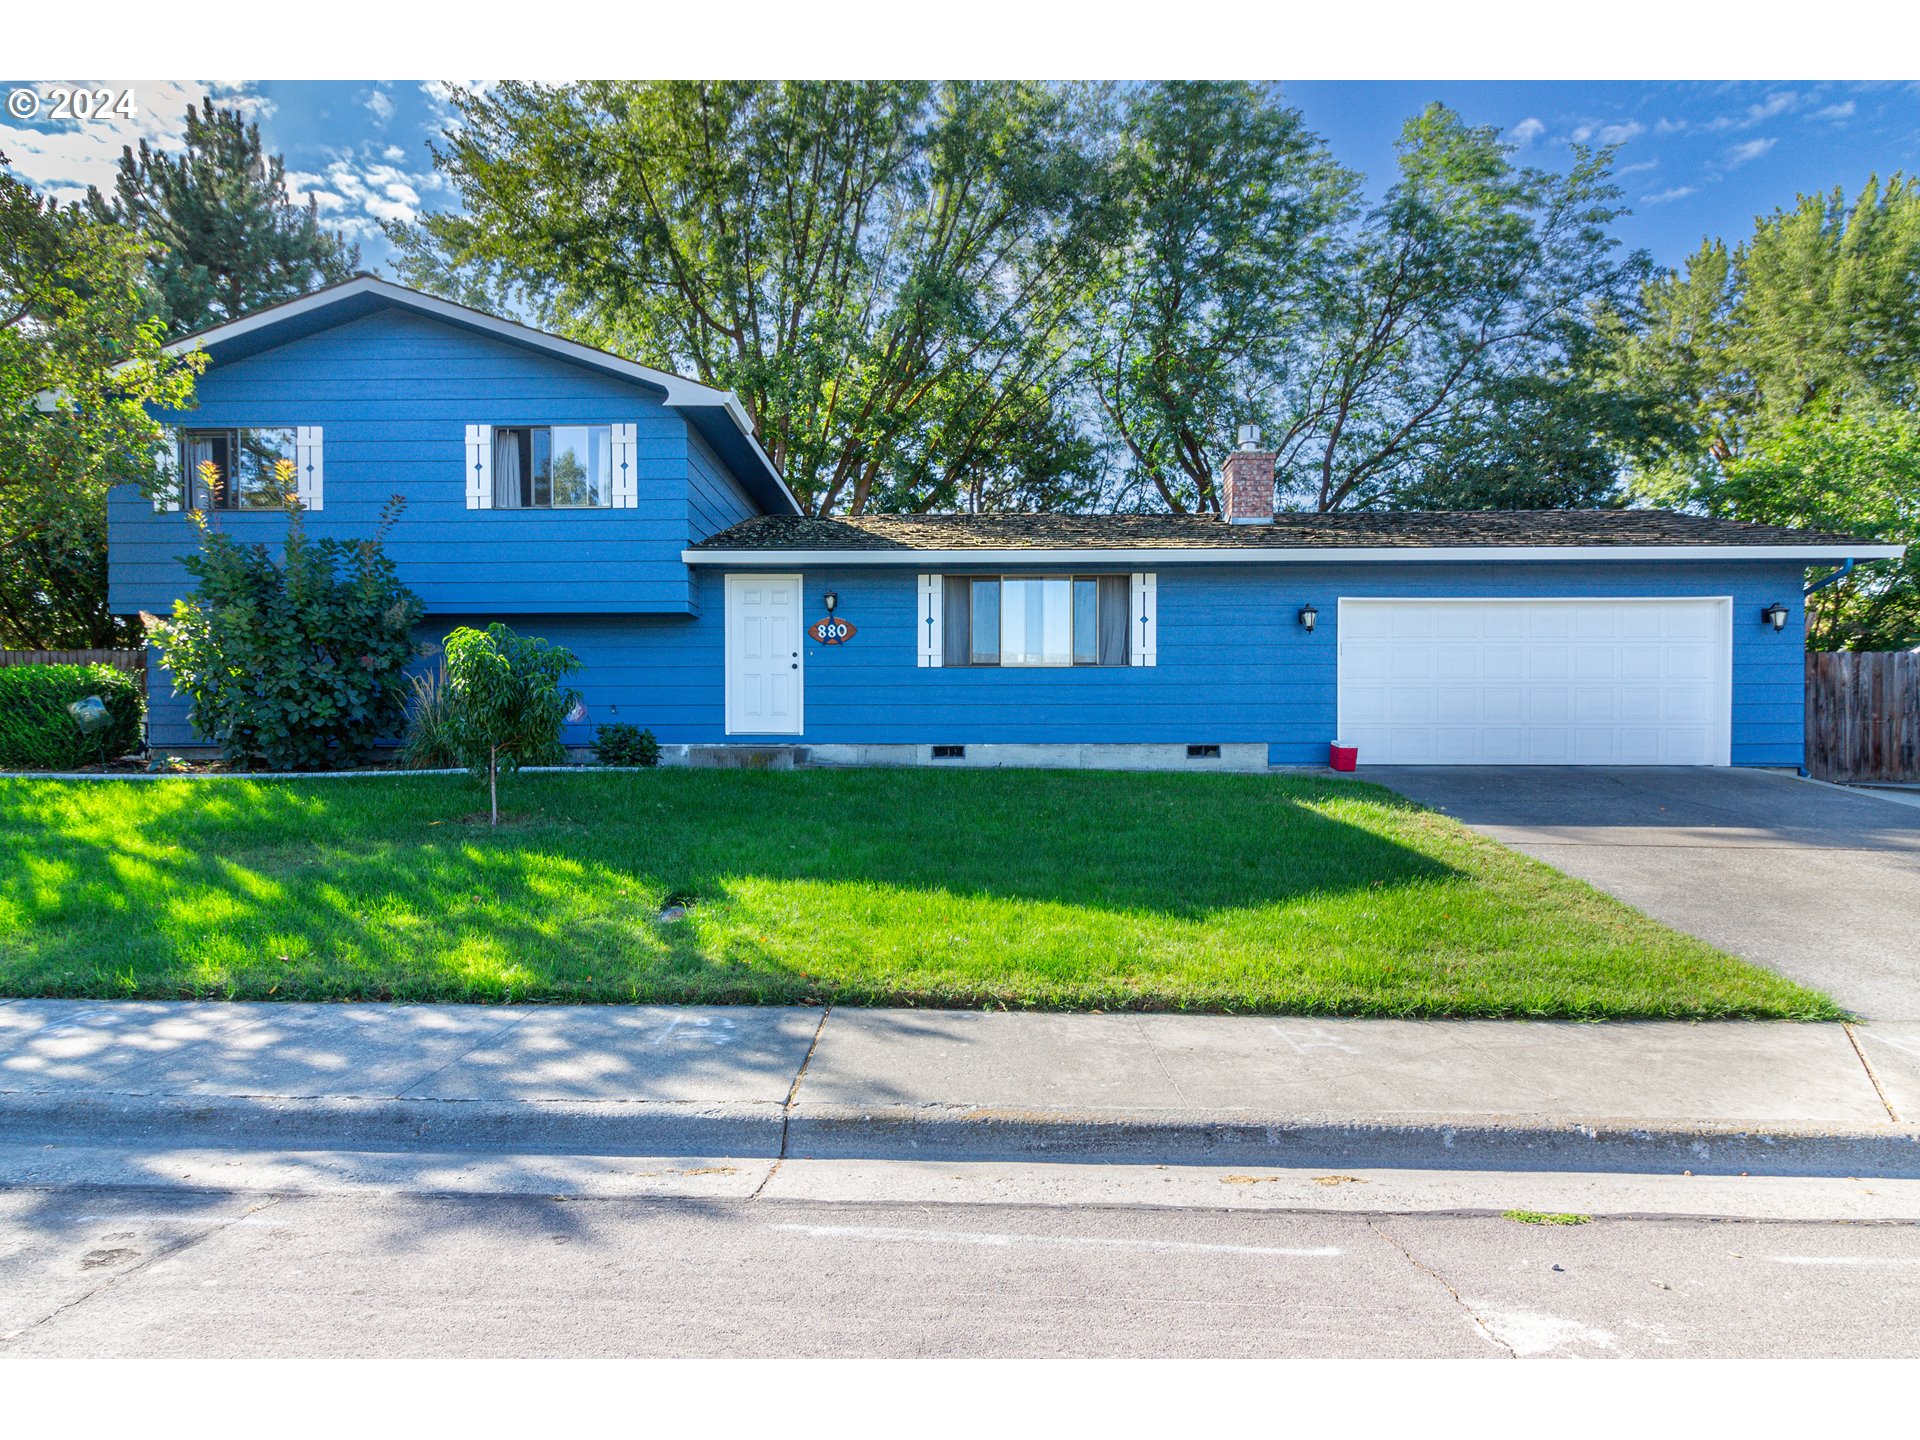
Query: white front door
{"type": "Point", "coordinates": [1536, 682]}
{"type": "Point", "coordinates": [765, 655]}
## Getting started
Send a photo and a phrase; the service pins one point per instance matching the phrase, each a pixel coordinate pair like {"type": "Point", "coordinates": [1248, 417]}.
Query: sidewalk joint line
{"type": "Point", "coordinates": [786, 1108]}
{"type": "Point", "coordinates": [1867, 1065]}
{"type": "Point", "coordinates": [405, 1091]}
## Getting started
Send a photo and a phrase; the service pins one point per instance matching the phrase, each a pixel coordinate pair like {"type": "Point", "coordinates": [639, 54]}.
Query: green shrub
{"type": "Point", "coordinates": [507, 702]}
{"type": "Point", "coordinates": [622, 744]}
{"type": "Point", "coordinates": [296, 663]}
{"type": "Point", "coordinates": [37, 733]}
{"type": "Point", "coordinates": [429, 744]}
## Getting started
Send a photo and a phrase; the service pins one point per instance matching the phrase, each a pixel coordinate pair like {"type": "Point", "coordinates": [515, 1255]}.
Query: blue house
{"type": "Point", "coordinates": [632, 516]}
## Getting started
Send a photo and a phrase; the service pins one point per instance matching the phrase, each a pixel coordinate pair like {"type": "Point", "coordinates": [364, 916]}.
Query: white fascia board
{"type": "Point", "coordinates": [1320, 555]}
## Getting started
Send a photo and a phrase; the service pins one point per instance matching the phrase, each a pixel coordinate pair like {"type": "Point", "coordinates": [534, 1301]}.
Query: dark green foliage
{"type": "Point", "coordinates": [36, 733]}
{"type": "Point", "coordinates": [80, 359]}
{"type": "Point", "coordinates": [296, 663]}
{"type": "Point", "coordinates": [887, 272]}
{"type": "Point", "coordinates": [507, 703]}
{"type": "Point", "coordinates": [623, 744]}
{"type": "Point", "coordinates": [1787, 368]}
{"type": "Point", "coordinates": [226, 237]}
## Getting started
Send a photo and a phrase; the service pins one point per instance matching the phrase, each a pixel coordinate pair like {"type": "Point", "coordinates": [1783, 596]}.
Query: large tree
{"type": "Point", "coordinates": [226, 238]}
{"type": "Point", "coordinates": [1230, 207]}
{"type": "Point", "coordinates": [1789, 369]}
{"type": "Point", "coordinates": [889, 274]}
{"type": "Point", "coordinates": [80, 356]}
{"type": "Point", "coordinates": [1472, 275]}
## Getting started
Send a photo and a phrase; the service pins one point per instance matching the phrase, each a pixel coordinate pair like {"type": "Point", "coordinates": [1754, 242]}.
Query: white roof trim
{"type": "Point", "coordinates": [680, 391]}
{"type": "Point", "coordinates": [1319, 555]}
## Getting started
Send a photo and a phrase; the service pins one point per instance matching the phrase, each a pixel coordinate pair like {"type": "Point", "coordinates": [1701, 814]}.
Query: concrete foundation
{"type": "Point", "coordinates": [1244, 758]}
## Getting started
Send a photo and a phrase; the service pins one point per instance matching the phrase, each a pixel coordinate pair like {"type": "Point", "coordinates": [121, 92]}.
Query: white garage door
{"type": "Point", "coordinates": [1536, 682]}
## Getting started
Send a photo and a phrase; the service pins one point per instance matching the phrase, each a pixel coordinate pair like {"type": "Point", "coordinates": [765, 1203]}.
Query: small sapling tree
{"type": "Point", "coordinates": [507, 702]}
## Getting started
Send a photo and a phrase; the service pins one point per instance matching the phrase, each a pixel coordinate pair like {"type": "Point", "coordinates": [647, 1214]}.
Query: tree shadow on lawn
{"type": "Point", "coordinates": [378, 889]}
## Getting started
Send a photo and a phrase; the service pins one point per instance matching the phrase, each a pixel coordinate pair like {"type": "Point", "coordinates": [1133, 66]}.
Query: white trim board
{"type": "Point", "coordinates": [1280, 555]}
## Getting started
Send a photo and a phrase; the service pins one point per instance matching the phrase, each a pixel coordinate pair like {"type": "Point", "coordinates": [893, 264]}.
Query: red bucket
{"type": "Point", "coordinates": [1344, 757]}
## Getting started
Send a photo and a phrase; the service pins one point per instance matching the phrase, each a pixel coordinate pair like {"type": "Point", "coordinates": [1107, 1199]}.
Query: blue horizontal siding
{"type": "Point", "coordinates": [1234, 664]}
{"type": "Point", "coordinates": [394, 393]}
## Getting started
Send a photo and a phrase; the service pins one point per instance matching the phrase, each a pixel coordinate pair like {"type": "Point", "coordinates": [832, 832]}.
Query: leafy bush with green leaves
{"type": "Point", "coordinates": [507, 702]}
{"type": "Point", "coordinates": [37, 733]}
{"type": "Point", "coordinates": [295, 663]}
{"type": "Point", "coordinates": [429, 742]}
{"type": "Point", "coordinates": [623, 744]}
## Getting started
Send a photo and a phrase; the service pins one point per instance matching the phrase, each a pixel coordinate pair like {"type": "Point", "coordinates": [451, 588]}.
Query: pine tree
{"type": "Point", "coordinates": [226, 237]}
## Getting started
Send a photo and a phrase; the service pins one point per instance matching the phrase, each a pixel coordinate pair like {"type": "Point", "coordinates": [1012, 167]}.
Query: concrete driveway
{"type": "Point", "coordinates": [1811, 881]}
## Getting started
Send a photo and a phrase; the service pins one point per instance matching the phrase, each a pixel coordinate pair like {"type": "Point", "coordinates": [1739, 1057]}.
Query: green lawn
{"type": "Point", "coordinates": [1022, 888]}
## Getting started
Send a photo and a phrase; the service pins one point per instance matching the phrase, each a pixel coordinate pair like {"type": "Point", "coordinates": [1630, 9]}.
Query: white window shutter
{"type": "Point", "coordinates": [309, 474]}
{"type": "Point", "coordinates": [1144, 647]}
{"type": "Point", "coordinates": [166, 456]}
{"type": "Point", "coordinates": [479, 467]}
{"type": "Point", "coordinates": [932, 591]}
{"type": "Point", "coordinates": [626, 469]}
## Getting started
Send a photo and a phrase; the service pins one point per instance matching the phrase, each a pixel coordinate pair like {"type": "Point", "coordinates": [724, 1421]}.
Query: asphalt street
{"type": "Point", "coordinates": [156, 1272]}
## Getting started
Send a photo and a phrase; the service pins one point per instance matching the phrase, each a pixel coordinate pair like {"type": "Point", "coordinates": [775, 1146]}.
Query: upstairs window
{"type": "Point", "coordinates": [239, 469]}
{"type": "Point", "coordinates": [1035, 620]}
{"type": "Point", "coordinates": [552, 467]}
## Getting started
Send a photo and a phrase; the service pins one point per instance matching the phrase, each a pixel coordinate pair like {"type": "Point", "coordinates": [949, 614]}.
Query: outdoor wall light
{"type": "Point", "coordinates": [1307, 617]}
{"type": "Point", "coordinates": [832, 602]}
{"type": "Point", "coordinates": [1775, 615]}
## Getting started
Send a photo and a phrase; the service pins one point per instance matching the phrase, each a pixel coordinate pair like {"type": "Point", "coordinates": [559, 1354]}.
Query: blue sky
{"type": "Point", "coordinates": [1695, 159]}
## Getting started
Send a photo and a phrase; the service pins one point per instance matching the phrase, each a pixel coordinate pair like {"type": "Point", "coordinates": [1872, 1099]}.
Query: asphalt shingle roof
{"type": "Point", "coordinates": [1413, 529]}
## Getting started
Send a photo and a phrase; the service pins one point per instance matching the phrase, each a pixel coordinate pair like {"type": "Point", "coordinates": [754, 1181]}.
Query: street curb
{"type": "Point", "coordinates": [1440, 1143]}
{"type": "Point", "coordinates": [768, 1130]}
{"type": "Point", "coordinates": [603, 1127]}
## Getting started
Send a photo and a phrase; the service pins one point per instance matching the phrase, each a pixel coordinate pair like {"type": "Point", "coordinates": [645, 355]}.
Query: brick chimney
{"type": "Point", "coordinates": [1246, 485]}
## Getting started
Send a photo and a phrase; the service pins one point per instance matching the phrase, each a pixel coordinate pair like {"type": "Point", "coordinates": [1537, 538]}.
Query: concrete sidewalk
{"type": "Point", "coordinates": [1726, 1098]}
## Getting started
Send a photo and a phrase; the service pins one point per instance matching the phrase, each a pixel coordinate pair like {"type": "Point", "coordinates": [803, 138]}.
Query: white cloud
{"type": "Point", "coordinates": [380, 105]}
{"type": "Point", "coordinates": [1636, 169]}
{"type": "Point", "coordinates": [440, 95]}
{"type": "Point", "coordinates": [1664, 126]}
{"type": "Point", "coordinates": [1777, 103]}
{"type": "Point", "coordinates": [1662, 197]}
{"type": "Point", "coordinates": [1599, 134]}
{"type": "Point", "coordinates": [1527, 131]}
{"type": "Point", "coordinates": [357, 192]}
{"type": "Point", "coordinates": [1748, 150]}
{"type": "Point", "coordinates": [62, 159]}
{"type": "Point", "coordinates": [1834, 112]}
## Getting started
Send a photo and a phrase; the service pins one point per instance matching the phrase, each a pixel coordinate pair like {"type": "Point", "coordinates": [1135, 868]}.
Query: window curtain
{"type": "Point", "coordinates": [956, 608]}
{"type": "Point", "coordinates": [1114, 620]}
{"type": "Point", "coordinates": [200, 451]}
{"type": "Point", "coordinates": [506, 470]}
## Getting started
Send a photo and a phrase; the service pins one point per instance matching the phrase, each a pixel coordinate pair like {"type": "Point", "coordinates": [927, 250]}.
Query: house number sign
{"type": "Point", "coordinates": [832, 631]}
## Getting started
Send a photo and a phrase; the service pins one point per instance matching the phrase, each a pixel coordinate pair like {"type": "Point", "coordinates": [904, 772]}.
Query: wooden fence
{"type": "Point", "coordinates": [1863, 716]}
{"type": "Point", "coordinates": [134, 662]}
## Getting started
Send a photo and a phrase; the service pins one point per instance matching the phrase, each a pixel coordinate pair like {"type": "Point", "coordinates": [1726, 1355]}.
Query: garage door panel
{"type": "Point", "coordinates": [1596, 705]}
{"type": "Point", "coordinates": [1503, 662]}
{"type": "Point", "coordinates": [1641, 662]}
{"type": "Point", "coordinates": [1541, 682]}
